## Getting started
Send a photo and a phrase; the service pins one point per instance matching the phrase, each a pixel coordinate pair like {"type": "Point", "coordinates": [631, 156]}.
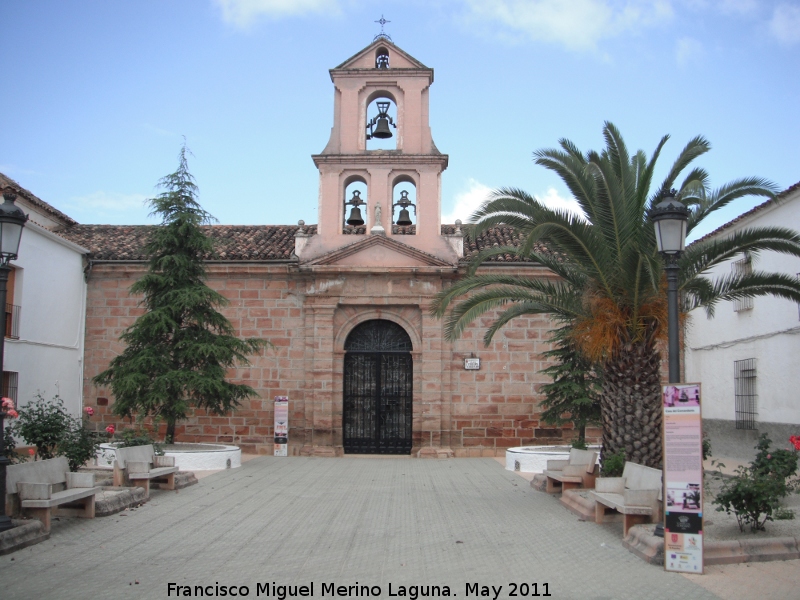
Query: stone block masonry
{"type": "Point", "coordinates": [307, 317]}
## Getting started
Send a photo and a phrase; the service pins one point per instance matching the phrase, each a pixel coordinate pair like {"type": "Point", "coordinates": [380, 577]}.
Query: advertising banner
{"type": "Point", "coordinates": [683, 478]}
{"type": "Point", "coordinates": [281, 430]}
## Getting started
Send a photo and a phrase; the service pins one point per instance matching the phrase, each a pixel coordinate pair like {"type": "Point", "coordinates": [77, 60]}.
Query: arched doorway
{"type": "Point", "coordinates": [378, 381]}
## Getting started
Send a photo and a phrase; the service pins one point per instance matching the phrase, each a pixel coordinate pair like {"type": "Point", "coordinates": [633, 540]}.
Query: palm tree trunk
{"type": "Point", "coordinates": [631, 405]}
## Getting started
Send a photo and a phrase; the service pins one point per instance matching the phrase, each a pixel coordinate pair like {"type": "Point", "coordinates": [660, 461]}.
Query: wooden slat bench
{"type": "Point", "coordinates": [139, 465]}
{"type": "Point", "coordinates": [636, 495]}
{"type": "Point", "coordinates": [579, 470]}
{"type": "Point", "coordinates": [42, 488]}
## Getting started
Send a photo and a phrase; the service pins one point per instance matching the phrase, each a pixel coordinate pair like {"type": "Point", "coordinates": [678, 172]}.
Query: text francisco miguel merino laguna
{"type": "Point", "coordinates": [282, 592]}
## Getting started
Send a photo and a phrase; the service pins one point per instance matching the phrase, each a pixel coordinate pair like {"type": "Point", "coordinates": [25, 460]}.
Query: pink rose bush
{"type": "Point", "coordinates": [8, 408]}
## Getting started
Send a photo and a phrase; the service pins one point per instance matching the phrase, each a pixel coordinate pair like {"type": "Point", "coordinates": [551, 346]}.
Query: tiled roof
{"type": "Point", "coordinates": [252, 242]}
{"type": "Point", "coordinates": [37, 202]}
{"type": "Point", "coordinates": [782, 196]}
{"type": "Point", "coordinates": [234, 242]}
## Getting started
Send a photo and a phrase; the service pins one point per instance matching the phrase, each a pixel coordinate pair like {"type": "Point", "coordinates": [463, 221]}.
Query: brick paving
{"type": "Point", "coordinates": [395, 521]}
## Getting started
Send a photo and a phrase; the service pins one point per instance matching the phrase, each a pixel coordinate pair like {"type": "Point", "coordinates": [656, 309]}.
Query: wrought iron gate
{"type": "Point", "coordinates": [378, 378]}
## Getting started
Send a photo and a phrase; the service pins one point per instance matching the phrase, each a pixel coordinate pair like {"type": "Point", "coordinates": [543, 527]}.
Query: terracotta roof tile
{"type": "Point", "coordinates": [36, 201]}
{"type": "Point", "coordinates": [234, 242]}
{"type": "Point", "coordinates": [255, 242]}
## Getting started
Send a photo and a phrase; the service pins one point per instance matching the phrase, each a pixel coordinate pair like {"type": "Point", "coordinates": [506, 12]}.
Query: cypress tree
{"type": "Point", "coordinates": [574, 395]}
{"type": "Point", "coordinates": [177, 353]}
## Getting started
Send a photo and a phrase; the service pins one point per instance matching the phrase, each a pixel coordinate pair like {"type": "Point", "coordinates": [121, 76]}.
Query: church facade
{"type": "Point", "coordinates": [347, 302]}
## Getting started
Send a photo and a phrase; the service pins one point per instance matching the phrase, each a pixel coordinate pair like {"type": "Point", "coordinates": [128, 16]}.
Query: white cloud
{"type": "Point", "coordinates": [107, 202]}
{"type": "Point", "coordinates": [576, 24]}
{"type": "Point", "coordinates": [552, 199]}
{"type": "Point", "coordinates": [688, 50]}
{"type": "Point", "coordinates": [244, 13]}
{"type": "Point", "coordinates": [469, 201]}
{"type": "Point", "coordinates": [785, 24]}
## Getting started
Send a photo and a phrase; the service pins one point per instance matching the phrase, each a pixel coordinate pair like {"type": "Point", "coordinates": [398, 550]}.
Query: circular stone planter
{"type": "Point", "coordinates": [188, 457]}
{"type": "Point", "coordinates": [533, 459]}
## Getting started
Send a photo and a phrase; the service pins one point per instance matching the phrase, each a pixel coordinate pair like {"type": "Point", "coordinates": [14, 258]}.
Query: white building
{"type": "Point", "coordinates": [45, 309]}
{"type": "Point", "coordinates": [747, 356]}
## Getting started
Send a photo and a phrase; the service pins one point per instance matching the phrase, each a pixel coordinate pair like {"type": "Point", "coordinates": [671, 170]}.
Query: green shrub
{"type": "Point", "coordinates": [580, 444]}
{"type": "Point", "coordinates": [613, 465]}
{"type": "Point", "coordinates": [755, 492]}
{"type": "Point", "coordinates": [48, 426]}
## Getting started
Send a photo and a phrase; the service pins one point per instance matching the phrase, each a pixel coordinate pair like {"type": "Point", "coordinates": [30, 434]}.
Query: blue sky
{"type": "Point", "coordinates": [98, 95]}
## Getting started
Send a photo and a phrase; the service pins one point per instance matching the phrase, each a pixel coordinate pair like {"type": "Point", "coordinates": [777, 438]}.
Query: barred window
{"type": "Point", "coordinates": [744, 376]}
{"type": "Point", "coordinates": [9, 385]}
{"type": "Point", "coordinates": [741, 268]}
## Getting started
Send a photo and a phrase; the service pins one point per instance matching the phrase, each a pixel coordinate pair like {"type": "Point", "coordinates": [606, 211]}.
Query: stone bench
{"type": "Point", "coordinates": [139, 465]}
{"type": "Point", "coordinates": [42, 488]}
{"type": "Point", "coordinates": [580, 470]}
{"type": "Point", "coordinates": [636, 495]}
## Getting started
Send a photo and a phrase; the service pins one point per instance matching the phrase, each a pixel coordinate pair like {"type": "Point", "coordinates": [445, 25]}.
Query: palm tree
{"type": "Point", "coordinates": [611, 284]}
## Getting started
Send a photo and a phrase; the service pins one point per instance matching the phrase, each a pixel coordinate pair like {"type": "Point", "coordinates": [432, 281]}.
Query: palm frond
{"type": "Point", "coordinates": [737, 286]}
{"type": "Point", "coordinates": [705, 254]}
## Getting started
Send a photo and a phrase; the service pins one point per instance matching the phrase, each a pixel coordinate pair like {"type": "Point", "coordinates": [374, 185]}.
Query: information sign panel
{"type": "Point", "coordinates": [281, 430]}
{"type": "Point", "coordinates": [683, 478]}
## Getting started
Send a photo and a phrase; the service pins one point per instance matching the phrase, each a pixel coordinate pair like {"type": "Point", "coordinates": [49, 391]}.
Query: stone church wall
{"type": "Point", "coordinates": [307, 316]}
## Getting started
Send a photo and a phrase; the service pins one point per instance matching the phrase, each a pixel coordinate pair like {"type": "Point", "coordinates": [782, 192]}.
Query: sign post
{"type": "Point", "coordinates": [281, 430]}
{"type": "Point", "coordinates": [683, 478]}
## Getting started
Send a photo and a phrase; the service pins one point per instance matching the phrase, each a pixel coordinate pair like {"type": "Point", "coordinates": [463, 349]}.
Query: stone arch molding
{"type": "Point", "coordinates": [350, 317]}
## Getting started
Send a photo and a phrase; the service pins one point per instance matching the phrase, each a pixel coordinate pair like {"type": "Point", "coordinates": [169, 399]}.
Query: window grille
{"type": "Point", "coordinates": [12, 321]}
{"type": "Point", "coordinates": [744, 375]}
{"type": "Point", "coordinates": [741, 268]}
{"type": "Point", "coordinates": [10, 384]}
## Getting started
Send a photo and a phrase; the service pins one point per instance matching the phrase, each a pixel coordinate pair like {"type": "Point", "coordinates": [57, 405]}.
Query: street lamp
{"type": "Point", "coordinates": [12, 220]}
{"type": "Point", "coordinates": [669, 218]}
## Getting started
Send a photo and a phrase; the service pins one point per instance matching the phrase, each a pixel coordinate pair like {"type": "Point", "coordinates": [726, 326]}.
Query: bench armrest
{"type": "Point", "coordinates": [34, 491]}
{"type": "Point", "coordinates": [163, 461]}
{"type": "Point", "coordinates": [136, 466]}
{"type": "Point", "coordinates": [610, 485]}
{"type": "Point", "coordinates": [556, 465]}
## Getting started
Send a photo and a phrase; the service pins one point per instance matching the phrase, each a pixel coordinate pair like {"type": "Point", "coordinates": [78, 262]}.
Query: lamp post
{"type": "Point", "coordinates": [669, 218]}
{"type": "Point", "coordinates": [12, 220]}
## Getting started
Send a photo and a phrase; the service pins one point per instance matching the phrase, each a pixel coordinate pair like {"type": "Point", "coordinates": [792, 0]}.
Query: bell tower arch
{"type": "Point", "coordinates": [380, 94]}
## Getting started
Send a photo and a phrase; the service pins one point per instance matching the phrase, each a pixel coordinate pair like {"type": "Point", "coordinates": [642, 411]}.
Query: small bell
{"type": "Point", "coordinates": [355, 217]}
{"type": "Point", "coordinates": [404, 218]}
{"type": "Point", "coordinates": [382, 130]}
{"type": "Point", "coordinates": [378, 127]}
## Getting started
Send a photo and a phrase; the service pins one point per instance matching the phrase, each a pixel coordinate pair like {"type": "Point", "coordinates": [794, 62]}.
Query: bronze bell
{"type": "Point", "coordinates": [355, 217]}
{"type": "Point", "coordinates": [404, 218]}
{"type": "Point", "coordinates": [382, 130]}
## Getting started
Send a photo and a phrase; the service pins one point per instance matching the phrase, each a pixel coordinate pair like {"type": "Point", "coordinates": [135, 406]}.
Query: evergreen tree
{"type": "Point", "coordinates": [178, 352]}
{"type": "Point", "coordinates": [574, 395]}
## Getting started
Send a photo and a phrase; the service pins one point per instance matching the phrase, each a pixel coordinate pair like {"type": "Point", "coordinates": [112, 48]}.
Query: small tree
{"type": "Point", "coordinates": [178, 352]}
{"type": "Point", "coordinates": [574, 395]}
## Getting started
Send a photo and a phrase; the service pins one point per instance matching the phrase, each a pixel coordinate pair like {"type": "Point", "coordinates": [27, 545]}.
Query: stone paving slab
{"type": "Point", "coordinates": [302, 520]}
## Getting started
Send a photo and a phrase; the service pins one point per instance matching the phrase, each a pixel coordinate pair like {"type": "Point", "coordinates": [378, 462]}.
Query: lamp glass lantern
{"type": "Point", "coordinates": [12, 220]}
{"type": "Point", "coordinates": [669, 219]}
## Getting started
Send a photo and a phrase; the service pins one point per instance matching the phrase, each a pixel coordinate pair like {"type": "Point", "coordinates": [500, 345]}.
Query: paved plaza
{"type": "Point", "coordinates": [466, 526]}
